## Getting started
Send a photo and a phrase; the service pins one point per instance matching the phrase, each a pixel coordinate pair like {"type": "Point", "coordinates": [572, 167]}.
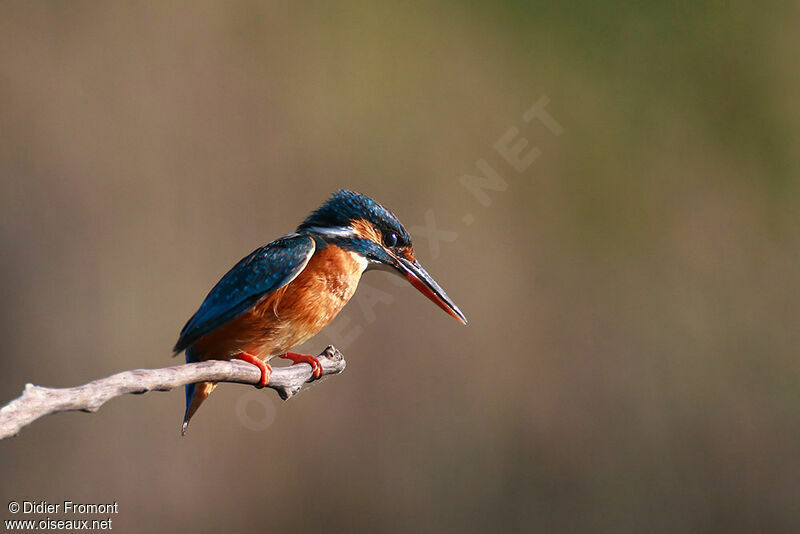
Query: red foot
{"type": "Point", "coordinates": [266, 370]}
{"type": "Point", "coordinates": [316, 367]}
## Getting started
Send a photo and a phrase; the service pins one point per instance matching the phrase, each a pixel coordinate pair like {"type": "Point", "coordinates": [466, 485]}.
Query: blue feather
{"type": "Point", "coordinates": [345, 206]}
{"type": "Point", "coordinates": [265, 270]}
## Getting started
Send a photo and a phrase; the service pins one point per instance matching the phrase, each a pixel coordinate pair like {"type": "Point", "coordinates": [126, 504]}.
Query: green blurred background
{"type": "Point", "coordinates": [631, 359]}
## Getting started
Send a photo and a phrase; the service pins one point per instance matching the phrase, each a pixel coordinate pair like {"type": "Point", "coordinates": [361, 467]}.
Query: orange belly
{"type": "Point", "coordinates": [292, 314]}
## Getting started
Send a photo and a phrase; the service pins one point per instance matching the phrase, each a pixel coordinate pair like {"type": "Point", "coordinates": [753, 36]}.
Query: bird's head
{"type": "Point", "coordinates": [359, 224]}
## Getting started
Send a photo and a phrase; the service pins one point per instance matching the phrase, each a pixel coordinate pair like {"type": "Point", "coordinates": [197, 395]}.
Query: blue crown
{"type": "Point", "coordinates": [347, 206]}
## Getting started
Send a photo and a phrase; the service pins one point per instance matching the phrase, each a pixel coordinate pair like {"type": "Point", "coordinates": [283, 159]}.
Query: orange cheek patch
{"type": "Point", "coordinates": [408, 253]}
{"type": "Point", "coordinates": [365, 230]}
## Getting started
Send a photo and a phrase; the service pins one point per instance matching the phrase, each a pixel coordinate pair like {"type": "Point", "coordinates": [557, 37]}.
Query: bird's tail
{"type": "Point", "coordinates": [195, 394]}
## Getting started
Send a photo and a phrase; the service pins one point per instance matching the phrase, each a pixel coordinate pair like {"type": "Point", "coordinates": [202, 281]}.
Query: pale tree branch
{"type": "Point", "coordinates": [37, 401]}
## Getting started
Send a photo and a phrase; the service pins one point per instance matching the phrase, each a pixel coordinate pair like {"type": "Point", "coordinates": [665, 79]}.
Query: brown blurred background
{"type": "Point", "coordinates": [631, 359]}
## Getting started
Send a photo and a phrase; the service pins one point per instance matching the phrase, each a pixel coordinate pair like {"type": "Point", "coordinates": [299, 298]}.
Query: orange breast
{"type": "Point", "coordinates": [293, 313]}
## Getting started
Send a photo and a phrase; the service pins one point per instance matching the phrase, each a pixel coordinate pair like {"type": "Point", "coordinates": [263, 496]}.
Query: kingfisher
{"type": "Point", "coordinates": [283, 293]}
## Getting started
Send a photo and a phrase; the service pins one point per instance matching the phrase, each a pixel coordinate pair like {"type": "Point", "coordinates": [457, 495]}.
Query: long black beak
{"type": "Point", "coordinates": [426, 285]}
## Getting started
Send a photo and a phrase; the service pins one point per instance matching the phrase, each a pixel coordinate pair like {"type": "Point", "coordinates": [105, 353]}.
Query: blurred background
{"type": "Point", "coordinates": [631, 359]}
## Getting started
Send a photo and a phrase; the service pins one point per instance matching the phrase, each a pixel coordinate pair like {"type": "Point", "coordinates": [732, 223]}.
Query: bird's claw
{"type": "Point", "coordinates": [316, 367]}
{"type": "Point", "coordinates": [266, 370]}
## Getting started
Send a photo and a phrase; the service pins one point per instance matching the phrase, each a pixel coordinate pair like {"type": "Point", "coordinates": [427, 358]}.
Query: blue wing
{"type": "Point", "coordinates": [265, 270]}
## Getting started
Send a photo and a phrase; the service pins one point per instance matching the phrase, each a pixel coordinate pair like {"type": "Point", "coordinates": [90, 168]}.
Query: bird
{"type": "Point", "coordinates": [283, 293]}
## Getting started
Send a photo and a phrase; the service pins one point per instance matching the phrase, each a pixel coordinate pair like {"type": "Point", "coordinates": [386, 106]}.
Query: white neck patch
{"type": "Point", "coordinates": [362, 262]}
{"type": "Point", "coordinates": [334, 231]}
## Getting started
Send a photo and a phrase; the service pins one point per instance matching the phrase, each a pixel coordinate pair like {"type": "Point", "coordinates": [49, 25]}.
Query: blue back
{"type": "Point", "coordinates": [265, 270]}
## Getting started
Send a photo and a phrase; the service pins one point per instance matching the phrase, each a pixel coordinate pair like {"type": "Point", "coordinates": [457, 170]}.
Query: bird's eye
{"type": "Point", "coordinates": [390, 240]}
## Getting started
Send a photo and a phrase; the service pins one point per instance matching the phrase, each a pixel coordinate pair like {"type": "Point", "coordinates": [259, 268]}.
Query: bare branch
{"type": "Point", "coordinates": [37, 401]}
